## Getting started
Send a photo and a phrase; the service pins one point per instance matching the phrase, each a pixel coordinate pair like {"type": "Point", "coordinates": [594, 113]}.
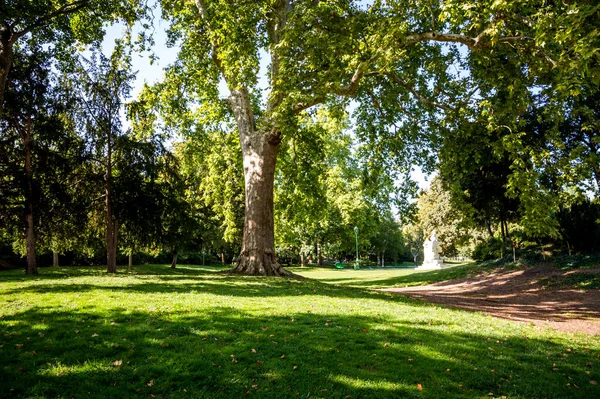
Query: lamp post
{"type": "Point", "coordinates": [356, 264]}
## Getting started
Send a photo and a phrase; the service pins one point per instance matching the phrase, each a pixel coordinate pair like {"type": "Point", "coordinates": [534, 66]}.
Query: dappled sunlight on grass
{"type": "Point", "coordinates": [381, 384]}
{"type": "Point", "coordinates": [202, 334]}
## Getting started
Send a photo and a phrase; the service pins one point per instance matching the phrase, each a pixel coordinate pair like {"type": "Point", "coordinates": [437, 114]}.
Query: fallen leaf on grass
{"type": "Point", "coordinates": [253, 350]}
{"type": "Point", "coordinates": [259, 363]}
{"type": "Point", "coordinates": [94, 335]}
{"type": "Point", "coordinates": [117, 363]}
{"type": "Point", "coordinates": [150, 383]}
{"type": "Point", "coordinates": [282, 356]}
{"type": "Point", "coordinates": [419, 387]}
{"type": "Point", "coordinates": [295, 367]}
{"type": "Point", "coordinates": [19, 345]}
{"type": "Point", "coordinates": [593, 383]}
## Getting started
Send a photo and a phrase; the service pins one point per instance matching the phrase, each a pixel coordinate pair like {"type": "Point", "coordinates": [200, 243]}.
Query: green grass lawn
{"type": "Point", "coordinates": [386, 278]}
{"type": "Point", "coordinates": [197, 333]}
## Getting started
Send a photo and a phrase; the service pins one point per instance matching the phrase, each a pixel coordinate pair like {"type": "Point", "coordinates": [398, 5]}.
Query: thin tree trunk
{"type": "Point", "coordinates": [29, 225]}
{"type": "Point", "coordinates": [111, 236]}
{"type": "Point", "coordinates": [174, 261]}
{"type": "Point", "coordinates": [488, 224]}
{"type": "Point", "coordinates": [54, 258]}
{"type": "Point", "coordinates": [6, 58]}
{"type": "Point", "coordinates": [223, 258]}
{"type": "Point", "coordinates": [320, 248]}
{"type": "Point", "coordinates": [382, 258]}
{"type": "Point", "coordinates": [301, 259]}
{"type": "Point", "coordinates": [259, 150]}
{"type": "Point", "coordinates": [130, 260]}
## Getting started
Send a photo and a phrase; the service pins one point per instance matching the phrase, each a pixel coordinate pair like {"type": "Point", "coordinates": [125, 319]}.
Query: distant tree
{"type": "Point", "coordinates": [41, 151]}
{"type": "Point", "coordinates": [101, 86]}
{"type": "Point", "coordinates": [413, 237]}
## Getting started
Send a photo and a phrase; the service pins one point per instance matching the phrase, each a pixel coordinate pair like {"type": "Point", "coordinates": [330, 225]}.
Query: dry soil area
{"type": "Point", "coordinates": [519, 295]}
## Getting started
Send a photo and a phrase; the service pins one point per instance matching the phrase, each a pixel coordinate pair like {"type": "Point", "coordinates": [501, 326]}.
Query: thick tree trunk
{"type": "Point", "coordinates": [29, 224]}
{"type": "Point", "coordinates": [174, 260]}
{"type": "Point", "coordinates": [55, 259]}
{"type": "Point", "coordinates": [259, 150]}
{"type": "Point", "coordinates": [6, 58]}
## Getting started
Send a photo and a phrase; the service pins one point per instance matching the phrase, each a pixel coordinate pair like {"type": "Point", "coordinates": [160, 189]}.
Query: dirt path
{"type": "Point", "coordinates": [519, 295]}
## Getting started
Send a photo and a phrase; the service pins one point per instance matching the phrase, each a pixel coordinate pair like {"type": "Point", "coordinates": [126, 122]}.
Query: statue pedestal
{"type": "Point", "coordinates": [432, 264]}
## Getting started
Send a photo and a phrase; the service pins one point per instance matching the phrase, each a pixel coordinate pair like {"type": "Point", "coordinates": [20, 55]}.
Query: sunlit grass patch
{"type": "Point", "coordinates": [198, 333]}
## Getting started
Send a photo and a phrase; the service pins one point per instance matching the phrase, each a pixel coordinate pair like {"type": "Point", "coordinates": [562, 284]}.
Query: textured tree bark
{"type": "Point", "coordinates": [29, 226]}
{"type": "Point", "coordinates": [174, 260]}
{"type": "Point", "coordinates": [259, 150]}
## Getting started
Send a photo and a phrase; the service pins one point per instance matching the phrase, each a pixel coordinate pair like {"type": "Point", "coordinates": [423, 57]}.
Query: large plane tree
{"type": "Point", "coordinates": [413, 67]}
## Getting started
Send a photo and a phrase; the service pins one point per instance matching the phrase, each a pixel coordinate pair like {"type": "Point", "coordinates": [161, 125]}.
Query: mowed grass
{"type": "Point", "coordinates": [387, 278]}
{"type": "Point", "coordinates": [198, 333]}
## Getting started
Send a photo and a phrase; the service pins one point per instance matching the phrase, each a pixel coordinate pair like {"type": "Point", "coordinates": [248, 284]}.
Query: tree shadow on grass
{"type": "Point", "coordinates": [215, 283]}
{"type": "Point", "coordinates": [229, 353]}
{"type": "Point", "coordinates": [228, 287]}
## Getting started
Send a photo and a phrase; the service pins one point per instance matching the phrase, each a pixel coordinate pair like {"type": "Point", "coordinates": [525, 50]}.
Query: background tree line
{"type": "Point", "coordinates": [500, 97]}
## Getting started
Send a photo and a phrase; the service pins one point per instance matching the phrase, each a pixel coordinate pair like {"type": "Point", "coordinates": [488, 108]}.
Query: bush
{"type": "Point", "coordinates": [491, 249]}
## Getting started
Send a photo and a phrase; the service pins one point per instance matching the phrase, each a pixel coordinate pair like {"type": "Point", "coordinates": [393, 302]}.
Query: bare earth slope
{"type": "Point", "coordinates": [521, 296]}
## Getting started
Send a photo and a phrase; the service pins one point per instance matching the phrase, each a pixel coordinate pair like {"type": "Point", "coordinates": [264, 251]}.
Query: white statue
{"type": "Point", "coordinates": [431, 253]}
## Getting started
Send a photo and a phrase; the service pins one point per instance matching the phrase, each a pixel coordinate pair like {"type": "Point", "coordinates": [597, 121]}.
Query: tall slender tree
{"type": "Point", "coordinates": [101, 85]}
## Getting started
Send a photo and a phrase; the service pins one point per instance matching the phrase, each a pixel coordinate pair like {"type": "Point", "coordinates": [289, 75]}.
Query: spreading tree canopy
{"type": "Point", "coordinates": [416, 69]}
